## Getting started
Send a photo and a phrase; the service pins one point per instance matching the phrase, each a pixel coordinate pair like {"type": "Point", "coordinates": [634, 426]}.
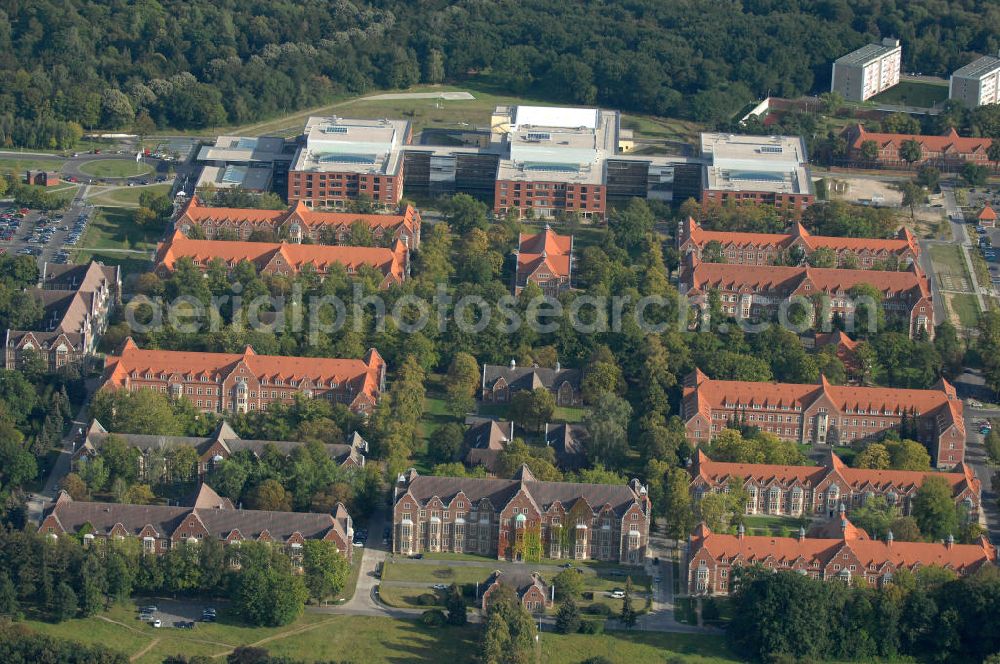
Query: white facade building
{"type": "Point", "coordinates": [977, 83]}
{"type": "Point", "coordinates": [871, 69]}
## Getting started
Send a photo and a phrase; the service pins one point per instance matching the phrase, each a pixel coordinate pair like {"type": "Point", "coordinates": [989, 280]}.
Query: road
{"type": "Point", "coordinates": [37, 501]}
{"type": "Point", "coordinates": [960, 236]}
{"type": "Point", "coordinates": [975, 456]}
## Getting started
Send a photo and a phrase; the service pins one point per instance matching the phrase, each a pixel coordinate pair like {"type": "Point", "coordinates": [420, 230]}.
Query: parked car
{"type": "Point", "coordinates": [439, 586]}
{"type": "Point", "coordinates": [157, 623]}
{"type": "Point", "coordinates": [618, 593]}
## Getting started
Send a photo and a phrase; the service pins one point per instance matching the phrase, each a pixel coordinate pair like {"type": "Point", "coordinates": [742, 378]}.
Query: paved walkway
{"type": "Point", "coordinates": [450, 96]}
{"type": "Point", "coordinates": [961, 237]}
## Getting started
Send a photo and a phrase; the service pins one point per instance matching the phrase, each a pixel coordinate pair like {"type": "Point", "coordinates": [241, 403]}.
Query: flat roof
{"type": "Point", "coordinates": [978, 68]}
{"type": "Point", "coordinates": [867, 53]}
{"type": "Point", "coordinates": [245, 149]}
{"type": "Point", "coordinates": [555, 116]}
{"type": "Point", "coordinates": [573, 149]}
{"type": "Point", "coordinates": [738, 162]}
{"type": "Point", "coordinates": [349, 145]}
{"type": "Point", "coordinates": [230, 177]}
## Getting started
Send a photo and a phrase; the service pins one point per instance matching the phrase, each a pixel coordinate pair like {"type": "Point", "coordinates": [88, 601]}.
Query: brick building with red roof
{"type": "Point", "coordinates": [283, 258]}
{"type": "Point", "coordinates": [203, 515]}
{"type": "Point", "coordinates": [987, 217]}
{"type": "Point", "coordinates": [241, 382]}
{"type": "Point", "coordinates": [767, 248]}
{"type": "Point", "coordinates": [298, 223]}
{"type": "Point", "coordinates": [806, 490]}
{"type": "Point", "coordinates": [757, 292]}
{"type": "Point", "coordinates": [949, 150]}
{"type": "Point", "coordinates": [545, 259]}
{"type": "Point", "coordinates": [711, 557]}
{"type": "Point", "coordinates": [826, 414]}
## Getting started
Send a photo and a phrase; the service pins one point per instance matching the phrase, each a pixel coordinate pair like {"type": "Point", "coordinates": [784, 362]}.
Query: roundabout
{"type": "Point", "coordinates": [114, 168]}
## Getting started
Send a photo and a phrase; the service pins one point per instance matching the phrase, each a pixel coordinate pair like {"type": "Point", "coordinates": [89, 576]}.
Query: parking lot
{"type": "Point", "coordinates": [46, 235]}
{"type": "Point", "coordinates": [174, 614]}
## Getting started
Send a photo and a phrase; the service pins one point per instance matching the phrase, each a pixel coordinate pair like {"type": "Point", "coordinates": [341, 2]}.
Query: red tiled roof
{"type": "Point", "coordinates": [987, 214]}
{"type": "Point", "coordinates": [701, 237]}
{"type": "Point", "coordinates": [195, 211]}
{"type": "Point", "coordinates": [390, 262]}
{"type": "Point", "coordinates": [838, 338]}
{"type": "Point", "coordinates": [720, 471]}
{"type": "Point", "coordinates": [346, 219]}
{"type": "Point", "coordinates": [962, 557]}
{"type": "Point", "coordinates": [950, 139]}
{"type": "Point", "coordinates": [363, 373]}
{"type": "Point", "coordinates": [547, 241]}
{"type": "Point", "coordinates": [719, 392]}
{"type": "Point", "coordinates": [829, 280]}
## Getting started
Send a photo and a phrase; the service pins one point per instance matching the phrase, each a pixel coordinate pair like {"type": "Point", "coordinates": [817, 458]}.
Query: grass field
{"type": "Point", "coordinates": [913, 93]}
{"type": "Point", "coordinates": [948, 259]}
{"type": "Point", "coordinates": [127, 196]}
{"type": "Point", "coordinates": [635, 647]}
{"type": "Point", "coordinates": [965, 306]}
{"type": "Point", "coordinates": [113, 228]}
{"type": "Point", "coordinates": [771, 525]}
{"type": "Point", "coordinates": [115, 168]}
{"type": "Point", "coordinates": [561, 414]}
{"type": "Point", "coordinates": [18, 165]}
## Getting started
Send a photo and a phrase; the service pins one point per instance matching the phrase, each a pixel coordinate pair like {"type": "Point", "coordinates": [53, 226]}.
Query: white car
{"type": "Point", "coordinates": [618, 594]}
{"type": "Point", "coordinates": [157, 623]}
{"type": "Point", "coordinates": [439, 586]}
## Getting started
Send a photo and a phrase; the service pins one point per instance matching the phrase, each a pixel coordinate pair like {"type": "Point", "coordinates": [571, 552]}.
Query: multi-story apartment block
{"type": "Point", "coordinates": [231, 382]}
{"type": "Point", "coordinates": [521, 518]}
{"type": "Point", "coordinates": [771, 170]}
{"type": "Point", "coordinates": [827, 414]}
{"type": "Point", "coordinates": [77, 300]}
{"type": "Point", "coordinates": [796, 245]}
{"type": "Point", "coordinates": [154, 451]}
{"type": "Point", "coordinates": [871, 69]}
{"type": "Point", "coordinates": [344, 160]}
{"type": "Point", "coordinates": [204, 515]}
{"type": "Point", "coordinates": [977, 83]}
{"type": "Point", "coordinates": [758, 292]}
{"type": "Point", "coordinates": [808, 490]}
{"type": "Point", "coordinates": [553, 160]}
{"type": "Point", "coordinates": [712, 557]}
{"type": "Point", "coordinates": [949, 151]}
{"type": "Point", "coordinates": [500, 383]}
{"type": "Point", "coordinates": [298, 223]}
{"type": "Point", "coordinates": [545, 259]}
{"type": "Point", "coordinates": [284, 259]}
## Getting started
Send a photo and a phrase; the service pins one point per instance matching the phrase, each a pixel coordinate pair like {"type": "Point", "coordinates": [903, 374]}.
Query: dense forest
{"type": "Point", "coordinates": [82, 64]}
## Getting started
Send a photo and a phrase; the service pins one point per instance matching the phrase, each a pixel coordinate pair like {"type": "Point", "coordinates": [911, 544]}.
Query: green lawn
{"type": "Point", "coordinates": [112, 228]}
{"type": "Point", "coordinates": [913, 93]}
{"type": "Point", "coordinates": [635, 647]}
{"type": "Point", "coordinates": [127, 196]}
{"type": "Point", "coordinates": [966, 307]}
{"type": "Point", "coordinates": [115, 168]}
{"type": "Point", "coordinates": [947, 259]}
{"type": "Point", "coordinates": [18, 165]}
{"type": "Point", "coordinates": [561, 414]}
{"type": "Point", "coordinates": [771, 525]}
{"type": "Point", "coordinates": [413, 571]}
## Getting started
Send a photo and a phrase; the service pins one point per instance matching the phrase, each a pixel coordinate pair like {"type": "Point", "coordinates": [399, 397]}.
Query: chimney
{"type": "Point", "coordinates": [546, 434]}
{"type": "Point", "coordinates": [802, 533]}
{"type": "Point", "coordinates": [740, 531]}
{"type": "Point", "coordinates": [558, 366]}
{"type": "Point", "coordinates": [513, 364]}
{"type": "Point", "coordinates": [950, 542]}
{"type": "Point", "coordinates": [888, 539]}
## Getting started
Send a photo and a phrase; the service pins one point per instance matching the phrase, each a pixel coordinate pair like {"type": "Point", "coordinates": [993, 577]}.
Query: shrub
{"type": "Point", "coordinates": [710, 609]}
{"type": "Point", "coordinates": [433, 618]}
{"type": "Point", "coordinates": [599, 609]}
{"type": "Point", "coordinates": [588, 594]}
{"type": "Point", "coordinates": [592, 627]}
{"type": "Point", "coordinates": [427, 599]}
